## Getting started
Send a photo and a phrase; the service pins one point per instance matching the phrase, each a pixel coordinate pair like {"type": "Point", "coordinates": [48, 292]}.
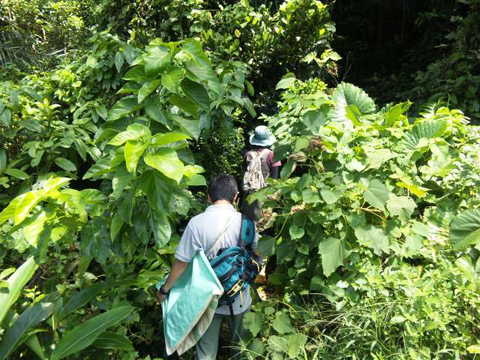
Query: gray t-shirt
{"type": "Point", "coordinates": [203, 231]}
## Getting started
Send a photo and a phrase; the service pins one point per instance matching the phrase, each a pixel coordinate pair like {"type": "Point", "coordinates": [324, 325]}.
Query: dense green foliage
{"type": "Point", "coordinates": [113, 115]}
{"type": "Point", "coordinates": [380, 222]}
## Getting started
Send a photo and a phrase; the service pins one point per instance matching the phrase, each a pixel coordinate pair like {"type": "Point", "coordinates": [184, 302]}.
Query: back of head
{"type": "Point", "coordinates": [222, 187]}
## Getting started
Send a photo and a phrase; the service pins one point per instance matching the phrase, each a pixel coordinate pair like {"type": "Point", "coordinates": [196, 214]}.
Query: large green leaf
{"type": "Point", "coordinates": [162, 230]}
{"type": "Point", "coordinates": [147, 89]}
{"type": "Point", "coordinates": [16, 282]}
{"type": "Point", "coordinates": [333, 254]}
{"type": "Point", "coordinates": [34, 345]}
{"type": "Point", "coordinates": [185, 104]}
{"type": "Point", "coordinates": [253, 322]}
{"type": "Point", "coordinates": [374, 238]}
{"type": "Point", "coordinates": [194, 49]}
{"type": "Point", "coordinates": [402, 206]}
{"type": "Point", "coordinates": [347, 94]}
{"type": "Point", "coordinates": [9, 211]}
{"type": "Point", "coordinates": [172, 78]}
{"type": "Point", "coordinates": [377, 194]}
{"type": "Point", "coordinates": [191, 127]}
{"type": "Point", "coordinates": [134, 132]}
{"type": "Point", "coordinates": [168, 138]}
{"type": "Point", "coordinates": [167, 162]}
{"type": "Point", "coordinates": [123, 108]}
{"type": "Point", "coordinates": [282, 324]}
{"type": "Point", "coordinates": [428, 129]}
{"type": "Point", "coordinates": [85, 334]}
{"type": "Point", "coordinates": [100, 168]}
{"type": "Point", "coordinates": [111, 340]}
{"type": "Point", "coordinates": [65, 164]}
{"type": "Point", "coordinates": [17, 332]}
{"type": "Point", "coordinates": [196, 92]}
{"type": "Point", "coordinates": [395, 112]}
{"type": "Point", "coordinates": [17, 173]}
{"type": "Point", "coordinates": [82, 297]}
{"type": "Point", "coordinates": [136, 73]}
{"type": "Point", "coordinates": [156, 60]}
{"type": "Point", "coordinates": [132, 152]}
{"type": "Point", "coordinates": [314, 120]}
{"type": "Point", "coordinates": [465, 229]}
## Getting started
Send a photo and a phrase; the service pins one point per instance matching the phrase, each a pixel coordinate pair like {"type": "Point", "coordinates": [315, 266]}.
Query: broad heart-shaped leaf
{"type": "Point", "coordinates": [168, 138]}
{"type": "Point", "coordinates": [378, 157]}
{"type": "Point", "coordinates": [16, 333]}
{"type": "Point", "coordinates": [282, 324]}
{"type": "Point", "coordinates": [296, 232]}
{"type": "Point", "coordinates": [296, 343]}
{"type": "Point", "coordinates": [277, 345]}
{"type": "Point", "coordinates": [330, 196]}
{"type": "Point", "coordinates": [16, 282]}
{"type": "Point", "coordinates": [132, 152]}
{"type": "Point", "coordinates": [111, 340]}
{"type": "Point", "coordinates": [333, 254]}
{"type": "Point", "coordinates": [314, 120]}
{"type": "Point", "coordinates": [123, 108]}
{"type": "Point", "coordinates": [147, 89]}
{"type": "Point", "coordinates": [172, 78]}
{"type": "Point", "coordinates": [253, 322]}
{"type": "Point", "coordinates": [85, 334]}
{"type": "Point", "coordinates": [347, 94]}
{"type": "Point", "coordinates": [465, 229]}
{"type": "Point", "coordinates": [402, 206]}
{"type": "Point", "coordinates": [377, 194]}
{"type": "Point", "coordinates": [65, 164]}
{"type": "Point", "coordinates": [374, 238]}
{"type": "Point", "coordinates": [427, 129]}
{"type": "Point", "coordinates": [167, 162]}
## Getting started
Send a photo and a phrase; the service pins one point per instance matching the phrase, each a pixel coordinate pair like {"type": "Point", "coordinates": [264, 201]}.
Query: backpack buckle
{"type": "Point", "coordinates": [235, 288]}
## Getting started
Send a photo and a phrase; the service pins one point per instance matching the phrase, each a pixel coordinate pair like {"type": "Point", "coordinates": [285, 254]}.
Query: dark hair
{"type": "Point", "coordinates": [222, 187]}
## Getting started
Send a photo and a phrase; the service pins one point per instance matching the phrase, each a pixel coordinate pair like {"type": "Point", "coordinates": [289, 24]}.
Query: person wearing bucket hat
{"type": "Point", "coordinates": [258, 166]}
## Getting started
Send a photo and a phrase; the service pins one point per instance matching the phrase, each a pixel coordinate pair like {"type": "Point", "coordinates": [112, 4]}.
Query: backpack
{"type": "Point", "coordinates": [238, 266]}
{"type": "Point", "coordinates": [255, 178]}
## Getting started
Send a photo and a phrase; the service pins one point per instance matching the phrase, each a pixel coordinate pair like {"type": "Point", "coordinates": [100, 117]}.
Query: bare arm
{"type": "Point", "coordinates": [178, 269]}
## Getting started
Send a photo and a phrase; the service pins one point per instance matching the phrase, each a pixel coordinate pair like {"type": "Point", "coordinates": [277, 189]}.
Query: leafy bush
{"type": "Point", "coordinates": [381, 220]}
{"type": "Point", "coordinates": [99, 251]}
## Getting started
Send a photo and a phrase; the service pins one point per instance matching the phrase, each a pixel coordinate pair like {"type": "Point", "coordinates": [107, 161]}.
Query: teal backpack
{"type": "Point", "coordinates": [237, 267]}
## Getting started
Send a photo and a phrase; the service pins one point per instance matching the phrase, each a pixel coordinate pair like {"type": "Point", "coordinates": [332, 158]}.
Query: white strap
{"type": "Point", "coordinates": [260, 154]}
{"type": "Point", "coordinates": [220, 237]}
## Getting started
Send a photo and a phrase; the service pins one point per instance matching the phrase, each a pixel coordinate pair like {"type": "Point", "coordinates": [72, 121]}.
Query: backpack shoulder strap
{"type": "Point", "coordinates": [220, 237]}
{"type": "Point", "coordinates": [247, 231]}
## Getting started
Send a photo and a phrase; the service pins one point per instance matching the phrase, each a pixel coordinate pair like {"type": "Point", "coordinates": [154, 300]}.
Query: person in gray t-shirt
{"type": "Point", "coordinates": [201, 234]}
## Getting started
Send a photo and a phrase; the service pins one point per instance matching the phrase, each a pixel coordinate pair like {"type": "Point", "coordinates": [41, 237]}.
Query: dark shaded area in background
{"type": "Point", "coordinates": [385, 42]}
